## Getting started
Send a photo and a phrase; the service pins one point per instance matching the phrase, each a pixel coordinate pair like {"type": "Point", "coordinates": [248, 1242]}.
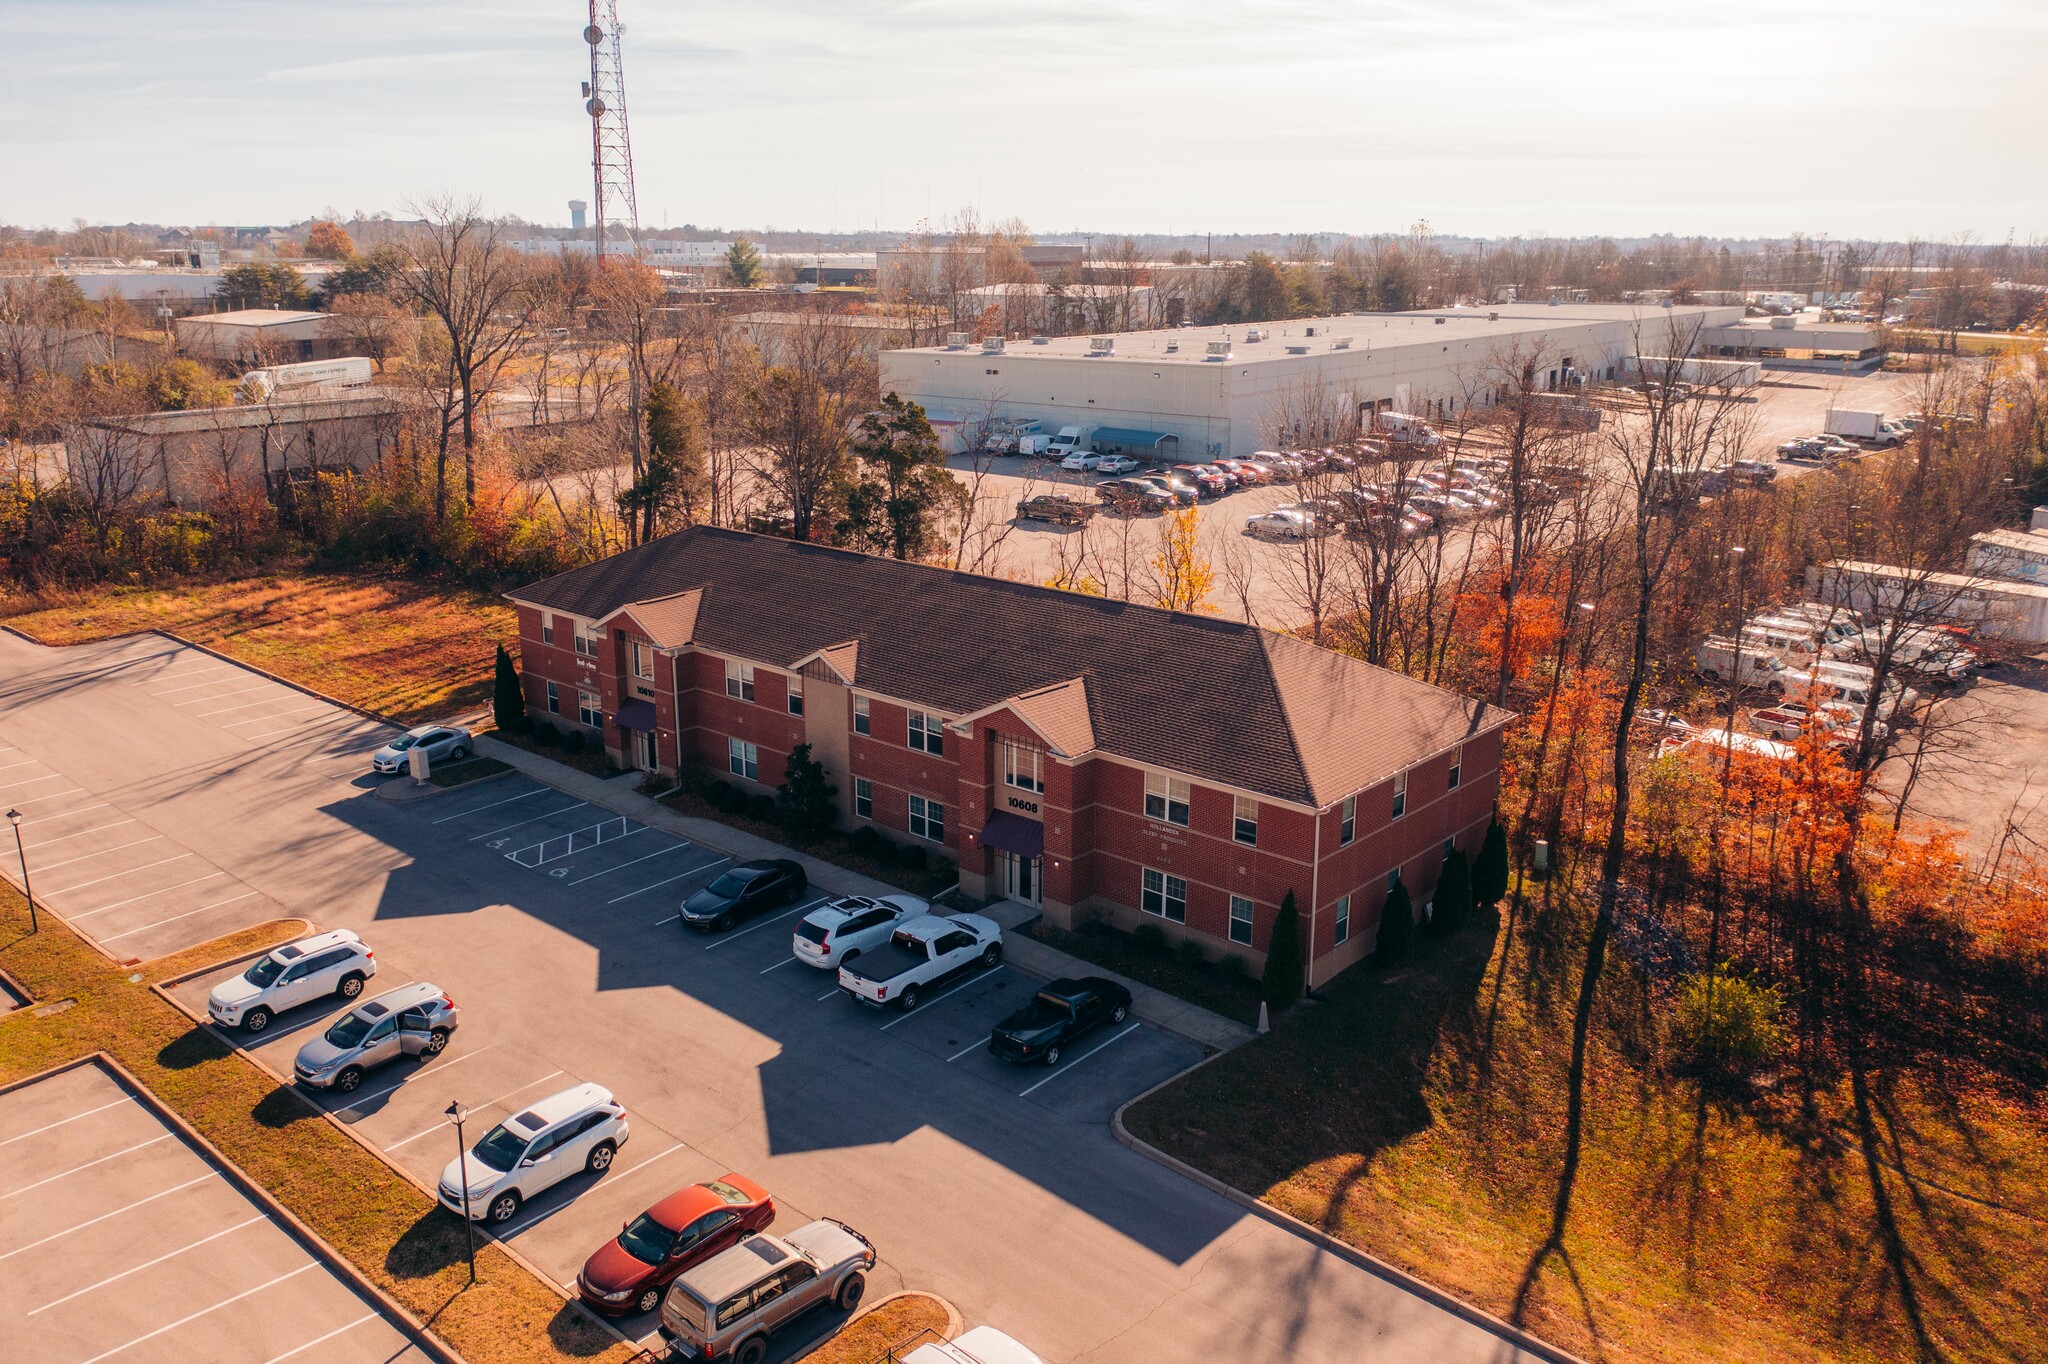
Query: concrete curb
{"type": "Point", "coordinates": [1372, 1264]}
{"type": "Point", "coordinates": [400, 790]}
{"type": "Point", "coordinates": [307, 1238]}
{"type": "Point", "coordinates": [289, 1085]}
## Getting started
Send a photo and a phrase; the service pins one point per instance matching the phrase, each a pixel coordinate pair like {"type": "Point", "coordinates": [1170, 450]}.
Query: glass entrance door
{"type": "Point", "coordinates": [1020, 878]}
{"type": "Point", "coordinates": [644, 751]}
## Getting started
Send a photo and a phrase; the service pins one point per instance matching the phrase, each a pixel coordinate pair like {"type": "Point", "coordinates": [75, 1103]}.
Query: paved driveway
{"type": "Point", "coordinates": [118, 1242]}
{"type": "Point", "coordinates": [1001, 1189]}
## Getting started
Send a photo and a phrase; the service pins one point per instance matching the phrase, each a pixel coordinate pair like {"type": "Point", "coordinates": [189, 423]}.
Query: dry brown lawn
{"type": "Point", "coordinates": [899, 1325]}
{"type": "Point", "coordinates": [412, 651]}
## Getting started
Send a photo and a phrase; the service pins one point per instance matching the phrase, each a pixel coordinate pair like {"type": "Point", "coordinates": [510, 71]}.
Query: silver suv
{"type": "Point", "coordinates": [414, 1020]}
{"type": "Point", "coordinates": [727, 1307]}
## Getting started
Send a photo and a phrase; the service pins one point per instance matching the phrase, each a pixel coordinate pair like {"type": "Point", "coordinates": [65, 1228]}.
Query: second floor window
{"type": "Point", "coordinates": [547, 628]}
{"type": "Point", "coordinates": [1457, 765]}
{"type": "Point", "coordinates": [643, 662]}
{"type": "Point", "coordinates": [1166, 798]}
{"type": "Point", "coordinates": [1347, 824]}
{"type": "Point", "coordinates": [1023, 767]}
{"type": "Point", "coordinates": [1400, 795]}
{"type": "Point", "coordinates": [860, 715]}
{"type": "Point", "coordinates": [739, 679]}
{"type": "Point", "coordinates": [927, 732]}
{"type": "Point", "coordinates": [796, 694]}
{"type": "Point", "coordinates": [587, 644]}
{"type": "Point", "coordinates": [1245, 821]}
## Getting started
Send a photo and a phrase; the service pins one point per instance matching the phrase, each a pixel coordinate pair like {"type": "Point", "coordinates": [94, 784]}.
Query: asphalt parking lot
{"type": "Point", "coordinates": [118, 1241]}
{"type": "Point", "coordinates": [1002, 1190]}
{"type": "Point", "coordinates": [534, 842]}
{"type": "Point", "coordinates": [97, 853]}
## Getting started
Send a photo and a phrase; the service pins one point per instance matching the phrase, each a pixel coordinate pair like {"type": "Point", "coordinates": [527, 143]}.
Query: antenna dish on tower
{"type": "Point", "coordinates": [593, 35]}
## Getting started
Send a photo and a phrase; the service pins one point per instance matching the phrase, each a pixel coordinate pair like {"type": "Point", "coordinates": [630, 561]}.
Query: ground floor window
{"type": "Point", "coordinates": [744, 759]}
{"type": "Point", "coordinates": [554, 700]}
{"type": "Point", "coordinates": [1241, 920]}
{"type": "Point", "coordinates": [928, 819]}
{"type": "Point", "coordinates": [1165, 896]}
{"type": "Point", "coordinates": [1343, 918]}
{"type": "Point", "coordinates": [590, 709]}
{"type": "Point", "coordinates": [863, 797]}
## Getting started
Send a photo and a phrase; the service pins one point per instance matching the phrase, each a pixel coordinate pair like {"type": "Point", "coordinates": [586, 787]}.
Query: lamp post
{"type": "Point", "coordinates": [1735, 683]}
{"type": "Point", "coordinates": [14, 818]}
{"type": "Point", "coordinates": [456, 1114]}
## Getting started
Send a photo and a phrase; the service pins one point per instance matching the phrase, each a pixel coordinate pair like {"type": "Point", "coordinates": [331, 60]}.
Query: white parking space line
{"type": "Point", "coordinates": [167, 1255]}
{"type": "Point", "coordinates": [115, 876]}
{"type": "Point", "coordinates": [507, 828]}
{"type": "Point", "coordinates": [54, 776]}
{"type": "Point", "coordinates": [1082, 1057]}
{"type": "Point", "coordinates": [320, 1340]}
{"type": "Point", "coordinates": [99, 852]}
{"type": "Point", "coordinates": [680, 847]}
{"type": "Point", "coordinates": [175, 917]}
{"type": "Point", "coordinates": [95, 1221]}
{"type": "Point", "coordinates": [37, 1131]}
{"type": "Point", "coordinates": [275, 715]}
{"type": "Point", "coordinates": [362, 1094]}
{"type": "Point", "coordinates": [224, 1302]}
{"type": "Point", "coordinates": [835, 991]}
{"type": "Point", "coordinates": [777, 966]}
{"type": "Point", "coordinates": [136, 899]}
{"type": "Point", "coordinates": [129, 1150]}
{"type": "Point", "coordinates": [670, 919]}
{"type": "Point", "coordinates": [492, 806]}
{"type": "Point", "coordinates": [212, 678]}
{"type": "Point", "coordinates": [231, 691]}
{"type": "Point", "coordinates": [294, 729]}
{"type": "Point", "coordinates": [487, 1103]}
{"type": "Point", "coordinates": [729, 937]}
{"type": "Point", "coordinates": [515, 1228]}
{"type": "Point", "coordinates": [97, 828]}
{"type": "Point", "coordinates": [972, 1046]}
{"type": "Point", "coordinates": [978, 975]}
{"type": "Point", "coordinates": [54, 795]}
{"type": "Point", "coordinates": [228, 710]}
{"type": "Point", "coordinates": [684, 876]}
{"type": "Point", "coordinates": [8, 767]}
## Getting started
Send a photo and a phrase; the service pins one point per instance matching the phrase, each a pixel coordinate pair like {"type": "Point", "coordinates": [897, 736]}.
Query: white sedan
{"type": "Point", "coordinates": [443, 743]}
{"type": "Point", "coordinates": [851, 925]}
{"type": "Point", "coordinates": [1081, 460]}
{"type": "Point", "coordinates": [1115, 464]}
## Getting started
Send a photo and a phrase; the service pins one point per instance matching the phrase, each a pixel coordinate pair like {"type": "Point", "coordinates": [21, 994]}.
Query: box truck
{"type": "Point", "coordinates": [350, 371]}
{"type": "Point", "coordinates": [1870, 426]}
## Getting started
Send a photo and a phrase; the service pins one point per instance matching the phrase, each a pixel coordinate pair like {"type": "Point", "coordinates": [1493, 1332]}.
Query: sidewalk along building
{"type": "Point", "coordinates": [1092, 757]}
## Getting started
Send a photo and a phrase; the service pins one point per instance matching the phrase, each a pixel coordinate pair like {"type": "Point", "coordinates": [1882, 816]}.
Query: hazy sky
{"type": "Point", "coordinates": [1742, 117]}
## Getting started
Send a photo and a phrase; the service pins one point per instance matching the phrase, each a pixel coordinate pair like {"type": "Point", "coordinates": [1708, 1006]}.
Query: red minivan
{"type": "Point", "coordinates": [630, 1272]}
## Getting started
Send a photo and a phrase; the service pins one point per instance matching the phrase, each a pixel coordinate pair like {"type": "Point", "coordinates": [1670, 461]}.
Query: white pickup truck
{"type": "Point", "coordinates": [919, 955]}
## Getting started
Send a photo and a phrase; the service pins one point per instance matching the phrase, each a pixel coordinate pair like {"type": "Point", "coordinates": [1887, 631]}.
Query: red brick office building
{"type": "Point", "coordinates": [1093, 757]}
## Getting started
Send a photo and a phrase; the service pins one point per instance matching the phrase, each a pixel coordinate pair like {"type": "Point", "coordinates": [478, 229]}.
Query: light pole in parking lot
{"type": "Point", "coordinates": [456, 1114]}
{"type": "Point", "coordinates": [14, 818]}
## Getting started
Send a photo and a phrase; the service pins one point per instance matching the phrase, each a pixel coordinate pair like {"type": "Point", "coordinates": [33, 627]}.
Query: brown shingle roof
{"type": "Point", "coordinates": [669, 621]}
{"type": "Point", "coordinates": [1060, 713]}
{"type": "Point", "coordinates": [1214, 699]}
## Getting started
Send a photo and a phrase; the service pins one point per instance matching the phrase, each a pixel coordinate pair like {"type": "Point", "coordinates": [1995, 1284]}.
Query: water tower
{"type": "Point", "coordinates": [577, 210]}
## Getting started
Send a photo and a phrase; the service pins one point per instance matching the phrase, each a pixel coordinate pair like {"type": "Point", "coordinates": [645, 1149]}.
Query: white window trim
{"type": "Point", "coordinates": [863, 793]}
{"type": "Point", "coordinates": [547, 627]}
{"type": "Point", "coordinates": [1400, 801]}
{"type": "Point", "coordinates": [1250, 920]}
{"type": "Point", "coordinates": [794, 694]}
{"type": "Point", "coordinates": [1457, 772]}
{"type": "Point", "coordinates": [1015, 767]}
{"type": "Point", "coordinates": [1347, 822]}
{"type": "Point", "coordinates": [1168, 785]}
{"type": "Point", "coordinates": [739, 680]}
{"type": "Point", "coordinates": [739, 756]}
{"type": "Point", "coordinates": [924, 732]}
{"type": "Point", "coordinates": [595, 707]}
{"type": "Point", "coordinates": [926, 819]}
{"type": "Point", "coordinates": [1342, 930]}
{"type": "Point", "coordinates": [1165, 879]}
{"type": "Point", "coordinates": [643, 661]}
{"type": "Point", "coordinates": [863, 715]}
{"type": "Point", "coordinates": [1238, 805]}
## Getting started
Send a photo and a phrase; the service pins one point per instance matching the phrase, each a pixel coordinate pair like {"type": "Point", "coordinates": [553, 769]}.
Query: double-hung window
{"type": "Point", "coordinates": [739, 679]}
{"type": "Point", "coordinates": [1166, 798]}
{"type": "Point", "coordinates": [927, 732]}
{"type": "Point", "coordinates": [586, 644]}
{"type": "Point", "coordinates": [863, 798]}
{"type": "Point", "coordinates": [1245, 820]}
{"type": "Point", "coordinates": [554, 699]}
{"type": "Point", "coordinates": [643, 662]}
{"type": "Point", "coordinates": [928, 819]}
{"type": "Point", "coordinates": [1343, 919]}
{"type": "Point", "coordinates": [860, 715]}
{"type": "Point", "coordinates": [1241, 920]}
{"type": "Point", "coordinates": [1457, 764]}
{"type": "Point", "coordinates": [590, 708]}
{"type": "Point", "coordinates": [547, 628]}
{"type": "Point", "coordinates": [743, 759]}
{"type": "Point", "coordinates": [1400, 795]}
{"type": "Point", "coordinates": [796, 694]}
{"type": "Point", "coordinates": [1347, 823]}
{"type": "Point", "coordinates": [1023, 767]}
{"type": "Point", "coordinates": [1164, 896]}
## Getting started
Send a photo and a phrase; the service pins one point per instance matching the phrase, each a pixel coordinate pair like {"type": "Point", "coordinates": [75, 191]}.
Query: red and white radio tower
{"type": "Point", "coordinates": [611, 149]}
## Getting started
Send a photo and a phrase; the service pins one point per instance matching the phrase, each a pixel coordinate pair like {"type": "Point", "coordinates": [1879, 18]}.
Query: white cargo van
{"type": "Point", "coordinates": [1403, 426]}
{"type": "Point", "coordinates": [1070, 440]}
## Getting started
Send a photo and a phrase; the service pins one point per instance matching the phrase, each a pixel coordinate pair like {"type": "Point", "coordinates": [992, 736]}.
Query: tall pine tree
{"type": "Point", "coordinates": [508, 702]}
{"type": "Point", "coordinates": [1282, 981]}
{"type": "Point", "coordinates": [1453, 903]}
{"type": "Point", "coordinates": [1397, 927]}
{"type": "Point", "coordinates": [1490, 876]}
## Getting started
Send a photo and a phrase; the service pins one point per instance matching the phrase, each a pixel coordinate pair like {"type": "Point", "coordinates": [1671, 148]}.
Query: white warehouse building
{"type": "Point", "coordinates": [1196, 392]}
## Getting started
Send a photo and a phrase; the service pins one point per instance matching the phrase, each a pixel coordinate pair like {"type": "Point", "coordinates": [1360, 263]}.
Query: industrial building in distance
{"type": "Point", "coordinates": [1214, 391]}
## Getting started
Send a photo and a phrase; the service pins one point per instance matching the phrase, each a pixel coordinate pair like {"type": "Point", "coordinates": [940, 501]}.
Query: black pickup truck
{"type": "Point", "coordinates": [1057, 508]}
{"type": "Point", "coordinates": [1060, 1012]}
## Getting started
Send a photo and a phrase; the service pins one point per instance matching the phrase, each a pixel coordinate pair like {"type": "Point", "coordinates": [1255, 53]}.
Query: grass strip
{"type": "Point", "coordinates": [898, 1325]}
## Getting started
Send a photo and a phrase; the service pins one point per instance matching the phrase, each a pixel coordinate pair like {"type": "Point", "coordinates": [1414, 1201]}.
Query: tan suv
{"type": "Point", "coordinates": [727, 1307]}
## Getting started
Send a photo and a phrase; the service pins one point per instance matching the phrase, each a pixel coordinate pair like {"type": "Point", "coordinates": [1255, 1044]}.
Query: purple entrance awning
{"type": "Point", "coordinates": [635, 715]}
{"type": "Point", "coordinates": [1014, 834]}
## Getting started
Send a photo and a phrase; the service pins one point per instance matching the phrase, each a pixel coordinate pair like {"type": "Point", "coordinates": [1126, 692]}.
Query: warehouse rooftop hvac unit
{"type": "Point", "coordinates": [1218, 350]}
{"type": "Point", "coordinates": [991, 345]}
{"type": "Point", "coordinates": [1341, 343]}
{"type": "Point", "coordinates": [1101, 345]}
{"type": "Point", "coordinates": [1297, 350]}
{"type": "Point", "coordinates": [1041, 340]}
{"type": "Point", "coordinates": [957, 340]}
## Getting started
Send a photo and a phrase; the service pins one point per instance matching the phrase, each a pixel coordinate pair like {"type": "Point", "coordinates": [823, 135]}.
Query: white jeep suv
{"type": "Point", "coordinates": [565, 1134]}
{"type": "Point", "coordinates": [327, 964]}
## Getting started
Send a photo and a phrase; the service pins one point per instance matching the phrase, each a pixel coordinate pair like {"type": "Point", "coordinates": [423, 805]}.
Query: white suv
{"type": "Point", "coordinates": [851, 925]}
{"type": "Point", "coordinates": [334, 963]}
{"type": "Point", "coordinates": [535, 1149]}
